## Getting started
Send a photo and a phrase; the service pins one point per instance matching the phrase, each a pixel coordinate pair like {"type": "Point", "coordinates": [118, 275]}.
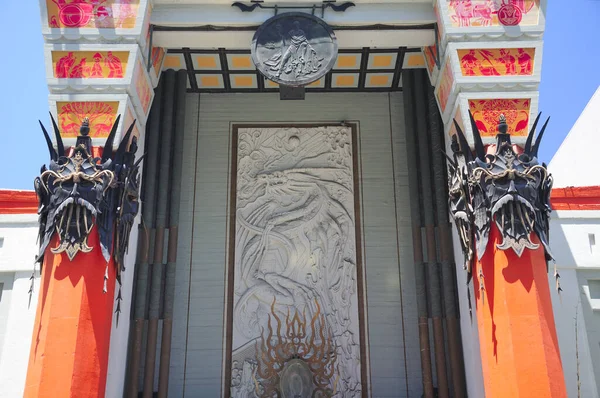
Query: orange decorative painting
{"type": "Point", "coordinates": [102, 115]}
{"type": "Point", "coordinates": [497, 62]}
{"type": "Point", "coordinates": [142, 88]}
{"type": "Point", "coordinates": [475, 13]}
{"type": "Point", "coordinates": [445, 86]}
{"type": "Point", "coordinates": [92, 13]}
{"type": "Point", "coordinates": [158, 53]}
{"type": "Point", "coordinates": [430, 54]}
{"type": "Point", "coordinates": [89, 64]}
{"type": "Point", "coordinates": [487, 111]}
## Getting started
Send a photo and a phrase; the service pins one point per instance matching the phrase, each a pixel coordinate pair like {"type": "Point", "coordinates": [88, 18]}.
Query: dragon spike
{"type": "Point", "coordinates": [137, 162]}
{"type": "Point", "coordinates": [538, 140]}
{"type": "Point", "coordinates": [59, 142]}
{"type": "Point", "coordinates": [464, 145]}
{"type": "Point", "coordinates": [450, 160]}
{"type": "Point", "coordinates": [124, 142]}
{"type": "Point", "coordinates": [479, 148]}
{"type": "Point", "coordinates": [107, 152]}
{"type": "Point", "coordinates": [53, 154]}
{"type": "Point", "coordinates": [527, 149]}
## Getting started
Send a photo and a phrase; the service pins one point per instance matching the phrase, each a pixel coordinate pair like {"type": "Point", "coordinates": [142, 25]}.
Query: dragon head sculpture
{"type": "Point", "coordinates": [78, 191]}
{"type": "Point", "coordinates": [507, 187]}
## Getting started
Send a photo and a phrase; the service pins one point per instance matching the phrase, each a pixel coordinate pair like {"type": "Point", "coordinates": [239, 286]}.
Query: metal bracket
{"type": "Point", "coordinates": [149, 66]}
{"type": "Point", "coordinates": [323, 6]}
{"type": "Point", "coordinates": [291, 93]}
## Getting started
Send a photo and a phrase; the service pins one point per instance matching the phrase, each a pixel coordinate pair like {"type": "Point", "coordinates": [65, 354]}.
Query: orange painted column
{"type": "Point", "coordinates": [71, 335]}
{"type": "Point", "coordinates": [517, 336]}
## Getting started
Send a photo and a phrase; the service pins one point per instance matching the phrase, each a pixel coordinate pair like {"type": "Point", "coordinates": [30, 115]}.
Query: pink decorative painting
{"type": "Point", "coordinates": [487, 111]}
{"type": "Point", "coordinates": [142, 88]}
{"type": "Point", "coordinates": [445, 86]}
{"type": "Point", "coordinates": [92, 13]}
{"type": "Point", "coordinates": [474, 13]}
{"type": "Point", "coordinates": [101, 115]}
{"type": "Point", "coordinates": [89, 64]}
{"type": "Point", "coordinates": [497, 62]}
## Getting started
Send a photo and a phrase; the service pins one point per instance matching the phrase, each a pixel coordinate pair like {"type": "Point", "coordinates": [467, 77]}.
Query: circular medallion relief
{"type": "Point", "coordinates": [294, 49]}
{"type": "Point", "coordinates": [296, 380]}
{"type": "Point", "coordinates": [510, 15]}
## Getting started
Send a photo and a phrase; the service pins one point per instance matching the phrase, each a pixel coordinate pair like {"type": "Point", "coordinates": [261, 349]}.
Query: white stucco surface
{"type": "Point", "coordinates": [574, 241]}
{"type": "Point", "coordinates": [18, 233]}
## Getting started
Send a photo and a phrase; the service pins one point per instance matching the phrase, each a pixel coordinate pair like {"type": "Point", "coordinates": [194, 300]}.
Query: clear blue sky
{"type": "Point", "coordinates": [570, 75]}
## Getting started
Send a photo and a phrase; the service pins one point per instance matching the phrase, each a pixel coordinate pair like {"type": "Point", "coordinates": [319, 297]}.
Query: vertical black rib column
{"type": "Point", "coordinates": [433, 279]}
{"type": "Point", "coordinates": [413, 184]}
{"type": "Point", "coordinates": [445, 246]}
{"type": "Point", "coordinates": [174, 204]}
{"type": "Point", "coordinates": [149, 190]}
{"type": "Point", "coordinates": [166, 133]}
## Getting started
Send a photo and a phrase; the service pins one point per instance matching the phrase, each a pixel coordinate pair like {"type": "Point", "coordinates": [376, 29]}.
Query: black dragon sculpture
{"type": "Point", "coordinates": [78, 191]}
{"type": "Point", "coordinates": [509, 188]}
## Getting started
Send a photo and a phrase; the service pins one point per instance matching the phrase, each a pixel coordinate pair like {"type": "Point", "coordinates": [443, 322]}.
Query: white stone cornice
{"type": "Point", "coordinates": [405, 14]}
{"type": "Point", "coordinates": [345, 38]}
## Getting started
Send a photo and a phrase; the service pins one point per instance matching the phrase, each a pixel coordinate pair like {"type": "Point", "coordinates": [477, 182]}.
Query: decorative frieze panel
{"type": "Point", "coordinates": [498, 64]}
{"type": "Point", "coordinates": [431, 55]}
{"type": "Point", "coordinates": [89, 65]}
{"type": "Point", "coordinates": [483, 13]}
{"type": "Point", "coordinates": [95, 20]}
{"type": "Point", "coordinates": [158, 57]}
{"type": "Point", "coordinates": [486, 108]}
{"type": "Point", "coordinates": [490, 79]}
{"type": "Point", "coordinates": [100, 109]}
{"type": "Point", "coordinates": [477, 20]}
{"type": "Point", "coordinates": [92, 14]}
{"type": "Point", "coordinates": [446, 91]}
{"type": "Point", "coordinates": [295, 296]}
{"type": "Point", "coordinates": [90, 68]}
{"type": "Point", "coordinates": [141, 90]}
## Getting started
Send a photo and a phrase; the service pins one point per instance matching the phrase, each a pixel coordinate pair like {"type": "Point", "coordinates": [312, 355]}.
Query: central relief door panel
{"type": "Point", "coordinates": [295, 307]}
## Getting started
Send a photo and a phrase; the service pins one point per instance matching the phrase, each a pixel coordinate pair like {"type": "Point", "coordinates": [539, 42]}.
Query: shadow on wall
{"type": "Point", "coordinates": [577, 325]}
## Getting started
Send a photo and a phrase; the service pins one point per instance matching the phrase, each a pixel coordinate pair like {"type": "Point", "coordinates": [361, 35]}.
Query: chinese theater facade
{"type": "Point", "coordinates": [256, 199]}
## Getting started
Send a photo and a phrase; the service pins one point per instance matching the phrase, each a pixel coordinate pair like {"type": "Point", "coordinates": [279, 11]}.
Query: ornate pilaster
{"type": "Point", "coordinates": [100, 69]}
{"type": "Point", "coordinates": [486, 66]}
{"type": "Point", "coordinates": [489, 70]}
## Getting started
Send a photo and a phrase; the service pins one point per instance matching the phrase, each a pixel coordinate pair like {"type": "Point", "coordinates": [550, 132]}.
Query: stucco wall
{"type": "Point", "coordinates": [197, 357]}
{"type": "Point", "coordinates": [17, 314]}
{"type": "Point", "coordinates": [572, 234]}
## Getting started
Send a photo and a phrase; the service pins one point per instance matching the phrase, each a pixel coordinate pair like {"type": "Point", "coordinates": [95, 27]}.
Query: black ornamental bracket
{"type": "Point", "coordinates": [323, 6]}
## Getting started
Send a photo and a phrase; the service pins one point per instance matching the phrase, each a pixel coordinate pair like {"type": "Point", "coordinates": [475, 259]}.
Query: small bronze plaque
{"type": "Point", "coordinates": [294, 49]}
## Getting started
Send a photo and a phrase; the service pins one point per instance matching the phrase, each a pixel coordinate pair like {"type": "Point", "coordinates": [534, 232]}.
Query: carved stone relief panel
{"type": "Point", "coordinates": [294, 285]}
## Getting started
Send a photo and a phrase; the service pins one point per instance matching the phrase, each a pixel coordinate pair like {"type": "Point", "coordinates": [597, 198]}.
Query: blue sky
{"type": "Point", "coordinates": [569, 78]}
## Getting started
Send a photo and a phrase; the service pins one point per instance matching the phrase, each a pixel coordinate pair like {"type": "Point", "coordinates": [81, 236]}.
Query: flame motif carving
{"type": "Point", "coordinates": [314, 348]}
